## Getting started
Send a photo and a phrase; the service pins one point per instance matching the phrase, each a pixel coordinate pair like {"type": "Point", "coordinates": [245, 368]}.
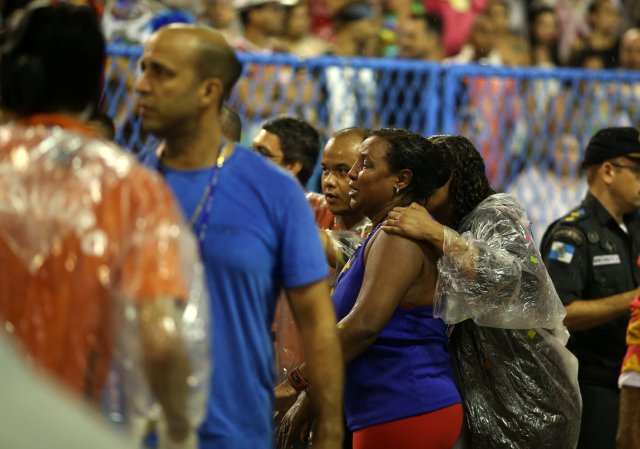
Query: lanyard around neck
{"type": "Point", "coordinates": [203, 209]}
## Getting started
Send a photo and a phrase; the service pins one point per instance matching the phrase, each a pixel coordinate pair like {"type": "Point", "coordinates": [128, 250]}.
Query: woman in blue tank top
{"type": "Point", "coordinates": [399, 387]}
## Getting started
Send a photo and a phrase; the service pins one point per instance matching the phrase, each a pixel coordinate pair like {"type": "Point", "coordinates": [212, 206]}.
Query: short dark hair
{"type": "Point", "coordinates": [299, 141]}
{"type": "Point", "coordinates": [354, 11]}
{"type": "Point", "coordinates": [52, 60]}
{"type": "Point", "coordinates": [430, 165]}
{"type": "Point", "coordinates": [244, 13]}
{"type": "Point", "coordinates": [433, 23]}
{"type": "Point", "coordinates": [595, 5]}
{"type": "Point", "coordinates": [244, 17]}
{"type": "Point", "coordinates": [231, 123]}
{"type": "Point", "coordinates": [469, 183]}
{"type": "Point", "coordinates": [580, 57]}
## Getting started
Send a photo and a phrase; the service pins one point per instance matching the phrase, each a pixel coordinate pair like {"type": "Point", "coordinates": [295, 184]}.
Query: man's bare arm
{"type": "Point", "coordinates": [329, 249]}
{"type": "Point", "coordinates": [165, 361]}
{"type": "Point", "coordinates": [585, 314]}
{"type": "Point", "coordinates": [313, 310]}
{"type": "Point", "coordinates": [629, 421]}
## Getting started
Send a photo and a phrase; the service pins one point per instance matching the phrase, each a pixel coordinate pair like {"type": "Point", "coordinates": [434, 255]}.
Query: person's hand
{"type": "Point", "coordinates": [295, 427]}
{"type": "Point", "coordinates": [285, 397]}
{"type": "Point", "coordinates": [190, 442]}
{"type": "Point", "coordinates": [409, 221]}
{"type": "Point", "coordinates": [414, 222]}
{"type": "Point", "coordinates": [329, 437]}
{"type": "Point", "coordinates": [171, 436]}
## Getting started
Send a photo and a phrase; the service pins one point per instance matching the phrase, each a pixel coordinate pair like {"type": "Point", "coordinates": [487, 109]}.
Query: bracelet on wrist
{"type": "Point", "coordinates": [297, 381]}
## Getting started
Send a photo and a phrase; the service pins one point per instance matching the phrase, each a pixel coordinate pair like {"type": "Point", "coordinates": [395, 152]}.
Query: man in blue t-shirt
{"type": "Point", "coordinates": [256, 234]}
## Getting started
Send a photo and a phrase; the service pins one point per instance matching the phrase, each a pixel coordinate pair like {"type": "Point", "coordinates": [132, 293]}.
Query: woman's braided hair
{"type": "Point", "coordinates": [469, 184]}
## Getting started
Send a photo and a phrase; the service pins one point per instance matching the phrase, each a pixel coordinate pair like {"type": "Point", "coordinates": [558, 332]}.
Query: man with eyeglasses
{"type": "Point", "coordinates": [593, 257]}
{"type": "Point", "coordinates": [290, 143]}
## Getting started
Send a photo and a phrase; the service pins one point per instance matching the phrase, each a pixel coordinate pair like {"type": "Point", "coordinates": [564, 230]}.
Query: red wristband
{"type": "Point", "coordinates": [297, 381]}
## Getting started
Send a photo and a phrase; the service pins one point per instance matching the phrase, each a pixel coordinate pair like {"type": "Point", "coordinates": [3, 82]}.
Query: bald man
{"type": "Point", "coordinates": [630, 49]}
{"type": "Point", "coordinates": [339, 155]}
{"type": "Point", "coordinates": [256, 235]}
{"type": "Point", "coordinates": [333, 212]}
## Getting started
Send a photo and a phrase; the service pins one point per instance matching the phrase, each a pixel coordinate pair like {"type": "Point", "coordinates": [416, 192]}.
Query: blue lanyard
{"type": "Point", "coordinates": [201, 231]}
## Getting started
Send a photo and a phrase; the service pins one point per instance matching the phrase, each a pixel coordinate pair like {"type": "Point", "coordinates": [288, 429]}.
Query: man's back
{"type": "Point", "coordinates": [81, 225]}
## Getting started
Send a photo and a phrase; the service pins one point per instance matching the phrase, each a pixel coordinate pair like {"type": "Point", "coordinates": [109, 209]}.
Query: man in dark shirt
{"type": "Point", "coordinates": [593, 256]}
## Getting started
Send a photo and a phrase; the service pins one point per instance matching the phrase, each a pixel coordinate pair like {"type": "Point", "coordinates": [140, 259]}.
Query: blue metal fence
{"type": "Point", "coordinates": [530, 124]}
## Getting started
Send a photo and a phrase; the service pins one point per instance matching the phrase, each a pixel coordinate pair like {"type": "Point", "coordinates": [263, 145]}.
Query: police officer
{"type": "Point", "coordinates": [593, 256]}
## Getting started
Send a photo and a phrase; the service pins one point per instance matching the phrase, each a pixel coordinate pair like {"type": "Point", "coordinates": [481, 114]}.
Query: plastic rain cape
{"type": "Point", "coordinates": [517, 380]}
{"type": "Point", "coordinates": [85, 235]}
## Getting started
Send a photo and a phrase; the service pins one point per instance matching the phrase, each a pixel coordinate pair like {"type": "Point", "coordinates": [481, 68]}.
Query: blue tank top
{"type": "Point", "coordinates": [406, 372]}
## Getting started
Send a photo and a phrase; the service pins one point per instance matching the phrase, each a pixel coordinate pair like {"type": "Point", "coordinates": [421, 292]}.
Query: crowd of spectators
{"type": "Point", "coordinates": [192, 92]}
{"type": "Point", "coordinates": [543, 33]}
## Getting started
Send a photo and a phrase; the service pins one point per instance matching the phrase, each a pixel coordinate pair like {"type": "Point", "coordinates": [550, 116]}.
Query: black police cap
{"type": "Point", "coordinates": [609, 143]}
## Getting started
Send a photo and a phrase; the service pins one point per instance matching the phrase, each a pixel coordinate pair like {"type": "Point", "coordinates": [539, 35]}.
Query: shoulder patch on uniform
{"type": "Point", "coordinates": [562, 252]}
{"type": "Point", "coordinates": [565, 232]}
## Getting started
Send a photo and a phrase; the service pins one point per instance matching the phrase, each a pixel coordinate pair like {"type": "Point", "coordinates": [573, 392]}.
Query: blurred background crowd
{"type": "Point", "coordinates": [493, 70]}
{"type": "Point", "coordinates": [551, 33]}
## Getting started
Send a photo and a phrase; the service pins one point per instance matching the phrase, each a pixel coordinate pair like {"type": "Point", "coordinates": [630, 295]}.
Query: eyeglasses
{"type": "Point", "coordinates": [277, 158]}
{"type": "Point", "coordinates": [634, 168]}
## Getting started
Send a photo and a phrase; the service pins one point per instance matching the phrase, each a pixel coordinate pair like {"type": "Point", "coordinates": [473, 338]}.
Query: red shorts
{"type": "Point", "coordinates": [435, 430]}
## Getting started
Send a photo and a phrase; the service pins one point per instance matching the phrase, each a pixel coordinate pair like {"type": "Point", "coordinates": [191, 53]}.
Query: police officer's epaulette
{"type": "Point", "coordinates": [574, 215]}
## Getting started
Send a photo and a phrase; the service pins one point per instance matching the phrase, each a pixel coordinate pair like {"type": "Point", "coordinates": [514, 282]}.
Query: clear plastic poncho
{"type": "Point", "coordinates": [517, 380]}
{"type": "Point", "coordinates": [345, 243]}
{"type": "Point", "coordinates": [88, 239]}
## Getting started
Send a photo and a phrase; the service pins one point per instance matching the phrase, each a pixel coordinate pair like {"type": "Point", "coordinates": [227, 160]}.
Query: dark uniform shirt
{"type": "Point", "coordinates": [589, 256]}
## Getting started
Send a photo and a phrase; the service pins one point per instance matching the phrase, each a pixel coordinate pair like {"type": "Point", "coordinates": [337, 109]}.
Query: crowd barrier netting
{"type": "Point", "coordinates": [531, 125]}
